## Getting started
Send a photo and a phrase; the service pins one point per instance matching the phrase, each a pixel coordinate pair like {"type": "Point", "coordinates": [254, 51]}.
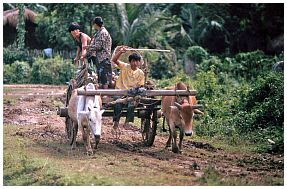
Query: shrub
{"type": "Point", "coordinates": [162, 68]}
{"type": "Point", "coordinates": [251, 64]}
{"type": "Point", "coordinates": [196, 53]}
{"type": "Point", "coordinates": [264, 103]}
{"type": "Point", "coordinates": [17, 72]}
{"type": "Point", "coordinates": [10, 55]}
{"type": "Point", "coordinates": [45, 71]}
{"type": "Point", "coordinates": [52, 71]}
{"type": "Point", "coordinates": [261, 113]}
{"type": "Point", "coordinates": [213, 63]}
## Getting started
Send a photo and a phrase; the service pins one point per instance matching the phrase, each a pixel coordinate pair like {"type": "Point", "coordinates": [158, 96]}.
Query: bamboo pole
{"type": "Point", "coordinates": [156, 50]}
{"type": "Point", "coordinates": [119, 92]}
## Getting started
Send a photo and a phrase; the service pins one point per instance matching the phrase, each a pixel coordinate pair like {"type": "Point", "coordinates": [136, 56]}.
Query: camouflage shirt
{"type": "Point", "coordinates": [101, 45]}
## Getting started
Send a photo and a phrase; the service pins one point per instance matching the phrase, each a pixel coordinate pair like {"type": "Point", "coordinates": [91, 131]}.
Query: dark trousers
{"type": "Point", "coordinates": [104, 71]}
{"type": "Point", "coordinates": [118, 110]}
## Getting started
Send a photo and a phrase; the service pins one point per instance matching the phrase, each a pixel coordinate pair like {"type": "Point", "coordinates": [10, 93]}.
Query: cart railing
{"type": "Point", "coordinates": [120, 92]}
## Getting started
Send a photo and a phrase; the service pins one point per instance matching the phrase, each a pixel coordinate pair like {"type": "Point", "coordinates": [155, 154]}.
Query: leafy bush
{"type": "Point", "coordinates": [10, 55]}
{"type": "Point", "coordinates": [264, 103]}
{"type": "Point", "coordinates": [197, 54]}
{"type": "Point", "coordinates": [261, 113]}
{"type": "Point", "coordinates": [52, 71]}
{"type": "Point", "coordinates": [213, 63]}
{"type": "Point", "coordinates": [162, 68]}
{"type": "Point", "coordinates": [17, 72]}
{"type": "Point", "coordinates": [251, 64]}
{"type": "Point", "coordinates": [45, 71]}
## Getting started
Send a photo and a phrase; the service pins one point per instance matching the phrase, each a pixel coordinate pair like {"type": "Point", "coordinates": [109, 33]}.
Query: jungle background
{"type": "Point", "coordinates": [227, 52]}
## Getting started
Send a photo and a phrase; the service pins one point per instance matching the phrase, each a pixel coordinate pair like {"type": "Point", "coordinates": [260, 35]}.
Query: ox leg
{"type": "Point", "coordinates": [84, 135]}
{"type": "Point", "coordinates": [173, 136]}
{"type": "Point", "coordinates": [97, 140]}
{"type": "Point", "coordinates": [90, 150]}
{"type": "Point", "coordinates": [180, 139]}
{"type": "Point", "coordinates": [86, 140]}
{"type": "Point", "coordinates": [174, 144]}
{"type": "Point", "coordinates": [75, 126]}
{"type": "Point", "coordinates": [168, 143]}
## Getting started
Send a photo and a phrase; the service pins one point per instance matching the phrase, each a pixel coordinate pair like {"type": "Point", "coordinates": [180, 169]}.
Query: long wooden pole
{"type": "Point", "coordinates": [156, 50]}
{"type": "Point", "coordinates": [119, 92]}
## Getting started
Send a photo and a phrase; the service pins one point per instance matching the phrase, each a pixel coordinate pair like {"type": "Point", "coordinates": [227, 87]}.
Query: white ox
{"type": "Point", "coordinates": [178, 112]}
{"type": "Point", "coordinates": [85, 112]}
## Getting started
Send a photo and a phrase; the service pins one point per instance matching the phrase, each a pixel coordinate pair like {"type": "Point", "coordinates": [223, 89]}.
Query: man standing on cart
{"type": "Point", "coordinates": [81, 40]}
{"type": "Point", "coordinates": [130, 77]}
{"type": "Point", "coordinates": [101, 45]}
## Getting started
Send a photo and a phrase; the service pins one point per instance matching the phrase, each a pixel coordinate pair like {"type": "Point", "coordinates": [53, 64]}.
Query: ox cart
{"type": "Point", "coordinates": [147, 104]}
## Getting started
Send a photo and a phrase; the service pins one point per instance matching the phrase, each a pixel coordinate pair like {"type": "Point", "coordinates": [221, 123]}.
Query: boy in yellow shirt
{"type": "Point", "coordinates": [130, 77]}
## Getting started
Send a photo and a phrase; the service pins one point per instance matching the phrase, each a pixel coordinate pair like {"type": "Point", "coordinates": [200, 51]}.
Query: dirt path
{"type": "Point", "coordinates": [33, 109]}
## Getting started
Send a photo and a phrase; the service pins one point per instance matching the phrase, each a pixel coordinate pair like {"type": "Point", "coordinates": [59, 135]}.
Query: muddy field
{"type": "Point", "coordinates": [31, 111]}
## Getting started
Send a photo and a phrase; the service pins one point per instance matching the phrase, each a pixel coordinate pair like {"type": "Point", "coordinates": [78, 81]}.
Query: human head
{"type": "Point", "coordinates": [134, 60]}
{"type": "Point", "coordinates": [74, 29]}
{"type": "Point", "coordinates": [98, 21]}
{"type": "Point", "coordinates": [74, 26]}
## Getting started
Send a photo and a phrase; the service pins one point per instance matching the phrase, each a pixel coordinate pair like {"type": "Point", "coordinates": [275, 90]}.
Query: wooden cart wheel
{"type": "Point", "coordinates": [70, 130]}
{"type": "Point", "coordinates": [148, 127]}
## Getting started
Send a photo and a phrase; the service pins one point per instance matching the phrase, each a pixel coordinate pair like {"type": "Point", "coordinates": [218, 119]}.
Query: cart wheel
{"type": "Point", "coordinates": [70, 130]}
{"type": "Point", "coordinates": [148, 128]}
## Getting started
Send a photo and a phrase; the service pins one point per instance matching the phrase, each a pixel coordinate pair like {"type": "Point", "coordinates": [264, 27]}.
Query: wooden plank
{"type": "Point", "coordinates": [119, 92]}
{"type": "Point", "coordinates": [154, 50]}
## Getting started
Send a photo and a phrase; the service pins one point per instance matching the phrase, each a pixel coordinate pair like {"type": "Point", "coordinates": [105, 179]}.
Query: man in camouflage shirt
{"type": "Point", "coordinates": [101, 45]}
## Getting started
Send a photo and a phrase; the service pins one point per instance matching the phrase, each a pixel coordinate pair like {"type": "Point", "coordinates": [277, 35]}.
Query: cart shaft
{"type": "Point", "coordinates": [119, 92]}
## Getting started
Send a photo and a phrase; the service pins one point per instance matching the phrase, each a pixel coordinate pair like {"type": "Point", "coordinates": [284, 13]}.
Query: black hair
{"type": "Point", "coordinates": [74, 26]}
{"type": "Point", "coordinates": [135, 57]}
{"type": "Point", "coordinates": [98, 20]}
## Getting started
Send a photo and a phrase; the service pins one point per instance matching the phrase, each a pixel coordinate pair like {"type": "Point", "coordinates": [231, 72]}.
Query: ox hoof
{"type": "Point", "coordinates": [96, 146]}
{"type": "Point", "coordinates": [175, 150]}
{"type": "Point", "coordinates": [90, 152]}
{"type": "Point", "coordinates": [73, 147]}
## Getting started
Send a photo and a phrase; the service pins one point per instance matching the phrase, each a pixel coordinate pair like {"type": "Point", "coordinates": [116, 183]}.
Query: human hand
{"type": "Point", "coordinates": [123, 49]}
{"type": "Point", "coordinates": [85, 47]}
{"type": "Point", "coordinates": [82, 58]}
{"type": "Point", "coordinates": [76, 60]}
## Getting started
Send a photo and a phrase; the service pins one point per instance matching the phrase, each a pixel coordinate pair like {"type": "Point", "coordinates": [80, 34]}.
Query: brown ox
{"type": "Point", "coordinates": [178, 112]}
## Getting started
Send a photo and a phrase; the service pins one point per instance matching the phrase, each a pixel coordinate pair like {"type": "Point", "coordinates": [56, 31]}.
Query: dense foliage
{"type": "Point", "coordinates": [44, 71]}
{"type": "Point", "coordinates": [10, 55]}
{"type": "Point", "coordinates": [219, 28]}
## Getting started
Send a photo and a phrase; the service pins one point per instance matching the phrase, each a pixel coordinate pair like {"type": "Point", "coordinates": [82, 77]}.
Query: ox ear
{"type": "Point", "coordinates": [178, 105]}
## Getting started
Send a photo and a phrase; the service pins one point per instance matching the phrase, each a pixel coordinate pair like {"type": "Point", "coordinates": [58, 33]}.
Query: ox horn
{"type": "Point", "coordinates": [178, 105]}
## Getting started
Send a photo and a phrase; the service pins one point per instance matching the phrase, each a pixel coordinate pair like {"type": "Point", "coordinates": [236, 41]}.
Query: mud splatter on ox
{"type": "Point", "coordinates": [178, 112]}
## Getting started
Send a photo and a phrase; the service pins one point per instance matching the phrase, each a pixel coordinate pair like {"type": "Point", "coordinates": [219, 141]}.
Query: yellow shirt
{"type": "Point", "coordinates": [129, 78]}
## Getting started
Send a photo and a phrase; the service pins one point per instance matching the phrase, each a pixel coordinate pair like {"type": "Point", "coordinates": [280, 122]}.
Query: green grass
{"type": "Point", "coordinates": [10, 100]}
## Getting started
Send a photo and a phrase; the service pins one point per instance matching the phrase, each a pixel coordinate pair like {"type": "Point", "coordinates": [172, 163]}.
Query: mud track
{"type": "Point", "coordinates": [33, 109]}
